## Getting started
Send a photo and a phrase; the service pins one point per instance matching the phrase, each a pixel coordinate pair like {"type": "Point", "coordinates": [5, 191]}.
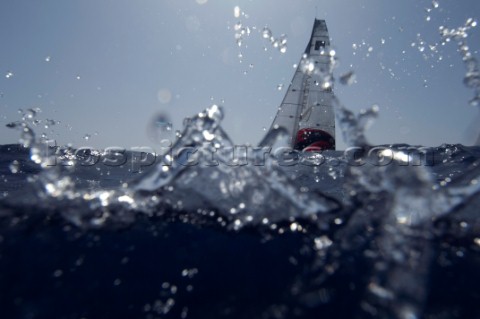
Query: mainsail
{"type": "Point", "coordinates": [307, 111]}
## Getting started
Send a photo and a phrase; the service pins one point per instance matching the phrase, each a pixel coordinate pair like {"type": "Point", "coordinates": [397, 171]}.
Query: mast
{"type": "Point", "coordinates": [307, 111]}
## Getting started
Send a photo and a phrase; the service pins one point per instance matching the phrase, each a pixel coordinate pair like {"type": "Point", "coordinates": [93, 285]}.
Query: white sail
{"type": "Point", "coordinates": [306, 111]}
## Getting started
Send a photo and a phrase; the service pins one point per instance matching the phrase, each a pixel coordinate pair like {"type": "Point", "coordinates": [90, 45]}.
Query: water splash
{"type": "Point", "coordinates": [40, 151]}
{"type": "Point", "coordinates": [348, 78]}
{"type": "Point", "coordinates": [14, 167]}
{"type": "Point", "coordinates": [183, 170]}
{"type": "Point", "coordinates": [160, 128]}
{"type": "Point", "coordinates": [236, 12]}
{"type": "Point", "coordinates": [409, 204]}
{"type": "Point", "coordinates": [27, 135]}
{"type": "Point", "coordinates": [241, 31]}
{"type": "Point", "coordinates": [266, 33]}
{"type": "Point", "coordinates": [323, 71]}
{"type": "Point", "coordinates": [279, 43]}
{"type": "Point", "coordinates": [203, 153]}
{"type": "Point", "coordinates": [390, 209]}
{"type": "Point", "coordinates": [354, 126]}
{"type": "Point", "coordinates": [472, 75]}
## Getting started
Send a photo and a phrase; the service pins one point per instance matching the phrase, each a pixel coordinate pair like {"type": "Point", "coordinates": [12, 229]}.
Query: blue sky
{"type": "Point", "coordinates": [109, 68]}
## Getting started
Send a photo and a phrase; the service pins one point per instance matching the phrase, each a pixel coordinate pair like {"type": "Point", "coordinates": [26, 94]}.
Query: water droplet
{"type": "Point", "coordinates": [471, 23]}
{"type": "Point", "coordinates": [384, 293]}
{"type": "Point", "coordinates": [327, 84]}
{"type": "Point", "coordinates": [49, 123]}
{"type": "Point", "coordinates": [48, 58]}
{"type": "Point", "coordinates": [164, 95]}
{"type": "Point", "coordinates": [477, 241]}
{"type": "Point", "coordinates": [78, 77]}
{"type": "Point", "coordinates": [279, 87]}
{"type": "Point", "coordinates": [475, 101]}
{"type": "Point", "coordinates": [190, 273]}
{"type": "Point", "coordinates": [332, 173]}
{"type": "Point", "coordinates": [14, 167]}
{"type": "Point", "coordinates": [472, 79]}
{"type": "Point", "coordinates": [294, 227]}
{"type": "Point", "coordinates": [435, 4]}
{"type": "Point", "coordinates": [30, 114]}
{"type": "Point", "coordinates": [236, 12]}
{"type": "Point", "coordinates": [266, 33]}
{"type": "Point", "coordinates": [322, 242]}
{"type": "Point", "coordinates": [215, 112]}
{"type": "Point", "coordinates": [57, 273]}
{"type": "Point", "coordinates": [187, 121]}
{"type": "Point", "coordinates": [13, 125]}
{"type": "Point", "coordinates": [160, 127]}
{"type": "Point", "coordinates": [347, 78]}
{"type": "Point", "coordinates": [237, 26]}
{"type": "Point", "coordinates": [251, 66]}
{"type": "Point", "coordinates": [427, 18]}
{"type": "Point", "coordinates": [9, 75]}
{"type": "Point", "coordinates": [86, 137]}
{"type": "Point", "coordinates": [309, 67]}
{"type": "Point", "coordinates": [208, 136]}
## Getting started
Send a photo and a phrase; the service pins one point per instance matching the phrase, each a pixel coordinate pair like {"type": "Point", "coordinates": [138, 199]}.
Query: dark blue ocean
{"type": "Point", "coordinates": [376, 232]}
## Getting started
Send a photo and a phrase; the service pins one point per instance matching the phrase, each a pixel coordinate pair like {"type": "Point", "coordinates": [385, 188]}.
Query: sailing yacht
{"type": "Point", "coordinates": [306, 112]}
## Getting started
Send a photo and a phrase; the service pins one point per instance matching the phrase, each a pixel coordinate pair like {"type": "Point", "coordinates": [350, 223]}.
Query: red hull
{"type": "Point", "coordinates": [314, 140]}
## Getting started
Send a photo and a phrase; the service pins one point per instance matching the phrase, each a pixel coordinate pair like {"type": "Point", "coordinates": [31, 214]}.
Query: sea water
{"type": "Point", "coordinates": [208, 229]}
